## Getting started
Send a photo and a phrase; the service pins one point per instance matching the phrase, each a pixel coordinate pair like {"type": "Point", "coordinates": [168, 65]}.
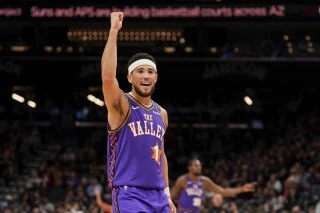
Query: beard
{"type": "Point", "coordinates": [143, 94]}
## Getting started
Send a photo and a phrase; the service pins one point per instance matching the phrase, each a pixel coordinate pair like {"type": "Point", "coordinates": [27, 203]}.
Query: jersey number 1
{"type": "Point", "coordinates": [196, 202]}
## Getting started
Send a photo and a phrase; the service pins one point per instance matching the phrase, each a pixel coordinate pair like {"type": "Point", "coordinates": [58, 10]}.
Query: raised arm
{"type": "Point", "coordinates": [114, 97]}
{"type": "Point", "coordinates": [213, 187]}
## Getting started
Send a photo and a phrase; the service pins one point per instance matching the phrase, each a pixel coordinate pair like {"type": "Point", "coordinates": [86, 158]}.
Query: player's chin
{"type": "Point", "coordinates": [198, 173]}
{"type": "Point", "coordinates": [146, 94]}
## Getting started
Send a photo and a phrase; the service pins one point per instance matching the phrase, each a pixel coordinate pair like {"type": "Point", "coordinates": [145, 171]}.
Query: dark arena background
{"type": "Point", "coordinates": [239, 80]}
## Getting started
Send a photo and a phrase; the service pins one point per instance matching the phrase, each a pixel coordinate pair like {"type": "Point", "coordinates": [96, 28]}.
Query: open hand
{"type": "Point", "coordinates": [249, 187]}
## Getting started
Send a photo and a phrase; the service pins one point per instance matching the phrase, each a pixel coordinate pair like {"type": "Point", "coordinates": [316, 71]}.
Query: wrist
{"type": "Point", "coordinates": [113, 31]}
{"type": "Point", "coordinates": [167, 192]}
{"type": "Point", "coordinates": [241, 189]}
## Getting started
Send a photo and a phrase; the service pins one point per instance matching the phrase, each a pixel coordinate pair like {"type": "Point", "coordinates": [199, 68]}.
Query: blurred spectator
{"type": "Point", "coordinates": [217, 205]}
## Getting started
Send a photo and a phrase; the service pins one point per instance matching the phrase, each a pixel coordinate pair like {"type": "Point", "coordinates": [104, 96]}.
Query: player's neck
{"type": "Point", "coordinates": [145, 101]}
{"type": "Point", "coordinates": [193, 177]}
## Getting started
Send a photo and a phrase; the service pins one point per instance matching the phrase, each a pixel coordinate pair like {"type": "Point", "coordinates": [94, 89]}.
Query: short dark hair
{"type": "Point", "coordinates": [190, 161]}
{"type": "Point", "coordinates": [139, 56]}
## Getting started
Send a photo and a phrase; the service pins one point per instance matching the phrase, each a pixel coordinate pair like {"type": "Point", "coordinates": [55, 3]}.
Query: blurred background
{"type": "Point", "coordinates": [239, 80]}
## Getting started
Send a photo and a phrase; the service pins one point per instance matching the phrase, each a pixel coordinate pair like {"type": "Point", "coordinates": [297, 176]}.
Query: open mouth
{"type": "Point", "coordinates": [146, 85]}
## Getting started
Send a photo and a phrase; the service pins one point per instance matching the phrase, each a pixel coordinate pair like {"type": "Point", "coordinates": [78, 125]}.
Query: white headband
{"type": "Point", "coordinates": [141, 62]}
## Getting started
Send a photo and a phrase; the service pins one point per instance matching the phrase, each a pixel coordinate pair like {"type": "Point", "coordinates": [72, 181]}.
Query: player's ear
{"type": "Point", "coordinates": [129, 76]}
{"type": "Point", "coordinates": [156, 77]}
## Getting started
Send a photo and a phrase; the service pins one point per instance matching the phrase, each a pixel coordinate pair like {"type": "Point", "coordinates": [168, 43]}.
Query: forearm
{"type": "Point", "coordinates": [165, 170]}
{"type": "Point", "coordinates": [98, 199]}
{"type": "Point", "coordinates": [101, 204]}
{"type": "Point", "coordinates": [104, 207]}
{"type": "Point", "coordinates": [109, 56]}
{"type": "Point", "coordinates": [231, 191]}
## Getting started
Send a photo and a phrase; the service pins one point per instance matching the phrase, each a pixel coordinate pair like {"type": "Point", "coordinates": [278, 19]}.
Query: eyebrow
{"type": "Point", "coordinates": [149, 68]}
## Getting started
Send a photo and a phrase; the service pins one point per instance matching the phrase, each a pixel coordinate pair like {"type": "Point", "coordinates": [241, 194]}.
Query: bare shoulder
{"type": "Point", "coordinates": [205, 178]}
{"type": "Point", "coordinates": [164, 115]}
{"type": "Point", "coordinates": [181, 180]}
{"type": "Point", "coordinates": [162, 110]}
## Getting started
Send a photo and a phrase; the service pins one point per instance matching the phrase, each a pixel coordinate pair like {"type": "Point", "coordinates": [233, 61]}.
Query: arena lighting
{"type": "Point", "coordinates": [19, 48]}
{"type": "Point", "coordinates": [99, 102]}
{"type": "Point", "coordinates": [91, 98]}
{"type": "Point", "coordinates": [169, 49]}
{"type": "Point", "coordinates": [17, 97]}
{"type": "Point", "coordinates": [31, 104]}
{"type": "Point", "coordinates": [286, 37]}
{"type": "Point", "coordinates": [213, 50]}
{"type": "Point", "coordinates": [308, 38]}
{"type": "Point", "coordinates": [188, 49]}
{"type": "Point", "coordinates": [69, 49]}
{"type": "Point", "coordinates": [182, 40]}
{"type": "Point", "coordinates": [95, 100]}
{"type": "Point", "coordinates": [311, 50]}
{"type": "Point", "coordinates": [142, 35]}
{"type": "Point", "coordinates": [248, 100]}
{"type": "Point", "coordinates": [59, 49]}
{"type": "Point", "coordinates": [48, 48]}
{"type": "Point", "coordinates": [81, 49]}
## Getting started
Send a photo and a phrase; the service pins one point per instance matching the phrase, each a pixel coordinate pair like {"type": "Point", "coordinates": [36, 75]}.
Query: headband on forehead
{"type": "Point", "coordinates": [141, 62]}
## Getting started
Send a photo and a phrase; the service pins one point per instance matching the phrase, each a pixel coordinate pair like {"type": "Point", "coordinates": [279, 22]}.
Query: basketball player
{"type": "Point", "coordinates": [137, 164]}
{"type": "Point", "coordinates": [189, 188]}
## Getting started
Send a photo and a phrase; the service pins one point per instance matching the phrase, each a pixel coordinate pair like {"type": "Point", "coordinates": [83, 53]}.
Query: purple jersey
{"type": "Point", "coordinates": [135, 148]}
{"type": "Point", "coordinates": [191, 197]}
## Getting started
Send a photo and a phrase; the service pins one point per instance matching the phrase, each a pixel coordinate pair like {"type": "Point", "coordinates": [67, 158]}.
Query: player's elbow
{"type": "Point", "coordinates": [107, 79]}
{"type": "Point", "coordinates": [222, 192]}
{"type": "Point", "coordinates": [108, 73]}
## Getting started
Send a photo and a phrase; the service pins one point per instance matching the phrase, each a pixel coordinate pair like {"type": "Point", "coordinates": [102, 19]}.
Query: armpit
{"type": "Point", "coordinates": [117, 106]}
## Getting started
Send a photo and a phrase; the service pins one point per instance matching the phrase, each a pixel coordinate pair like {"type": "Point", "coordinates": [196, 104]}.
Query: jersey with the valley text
{"type": "Point", "coordinates": [190, 198]}
{"type": "Point", "coordinates": [134, 151]}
